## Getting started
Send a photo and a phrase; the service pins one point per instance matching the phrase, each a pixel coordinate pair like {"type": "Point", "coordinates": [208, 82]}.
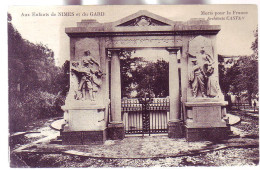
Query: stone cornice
{"type": "Point", "coordinates": [162, 27]}
{"type": "Point", "coordinates": [140, 33]}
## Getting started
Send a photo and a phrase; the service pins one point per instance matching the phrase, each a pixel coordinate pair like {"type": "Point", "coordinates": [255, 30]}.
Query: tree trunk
{"type": "Point", "coordinates": [250, 98]}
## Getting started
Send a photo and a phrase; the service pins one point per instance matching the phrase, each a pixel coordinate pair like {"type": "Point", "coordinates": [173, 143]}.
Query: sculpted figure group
{"type": "Point", "coordinates": [86, 77]}
{"type": "Point", "coordinates": [200, 77]}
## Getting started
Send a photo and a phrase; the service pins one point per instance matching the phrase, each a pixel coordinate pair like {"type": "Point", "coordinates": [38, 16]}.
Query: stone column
{"type": "Point", "coordinates": [174, 124]}
{"type": "Point", "coordinates": [115, 88]}
{"type": "Point", "coordinates": [115, 127]}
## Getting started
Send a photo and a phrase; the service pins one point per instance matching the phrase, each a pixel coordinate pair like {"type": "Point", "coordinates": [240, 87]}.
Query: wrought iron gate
{"type": "Point", "coordinates": [145, 115]}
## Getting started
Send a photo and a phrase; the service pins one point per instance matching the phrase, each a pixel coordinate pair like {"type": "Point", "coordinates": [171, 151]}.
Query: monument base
{"type": "Point", "coordinates": [85, 124]}
{"type": "Point", "coordinates": [116, 131]}
{"type": "Point", "coordinates": [175, 129]}
{"type": "Point", "coordinates": [206, 120]}
{"type": "Point", "coordinates": [83, 137]}
{"type": "Point", "coordinates": [210, 134]}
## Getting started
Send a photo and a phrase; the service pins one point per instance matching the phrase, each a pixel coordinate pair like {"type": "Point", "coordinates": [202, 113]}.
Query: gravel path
{"type": "Point", "coordinates": [154, 151]}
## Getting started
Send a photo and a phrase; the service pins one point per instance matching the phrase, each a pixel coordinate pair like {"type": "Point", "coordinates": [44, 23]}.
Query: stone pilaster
{"type": "Point", "coordinates": [174, 124]}
{"type": "Point", "coordinates": [115, 126]}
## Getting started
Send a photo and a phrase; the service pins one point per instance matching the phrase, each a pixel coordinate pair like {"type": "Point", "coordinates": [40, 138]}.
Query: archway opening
{"type": "Point", "coordinates": [145, 72]}
{"type": "Point", "coordinates": [145, 90]}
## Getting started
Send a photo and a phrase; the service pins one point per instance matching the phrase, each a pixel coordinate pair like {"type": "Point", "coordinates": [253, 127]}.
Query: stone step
{"type": "Point", "coordinates": [59, 142]}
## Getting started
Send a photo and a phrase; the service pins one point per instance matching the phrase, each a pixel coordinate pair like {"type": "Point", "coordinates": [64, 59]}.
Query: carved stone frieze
{"type": "Point", "coordinates": [142, 41]}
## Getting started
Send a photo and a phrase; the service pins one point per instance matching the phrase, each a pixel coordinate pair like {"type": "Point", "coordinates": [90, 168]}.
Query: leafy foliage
{"type": "Point", "coordinates": [126, 65]}
{"type": "Point", "coordinates": [144, 77]}
{"type": "Point", "coordinates": [241, 79]}
{"type": "Point", "coordinates": [153, 78]}
{"type": "Point", "coordinates": [254, 45]}
{"type": "Point", "coordinates": [248, 80]}
{"type": "Point", "coordinates": [37, 88]}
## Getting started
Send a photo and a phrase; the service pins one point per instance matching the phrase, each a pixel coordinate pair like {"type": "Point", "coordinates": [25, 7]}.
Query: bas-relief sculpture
{"type": "Point", "coordinates": [200, 75]}
{"type": "Point", "coordinates": [202, 81]}
{"type": "Point", "coordinates": [143, 21]}
{"type": "Point", "coordinates": [85, 78]}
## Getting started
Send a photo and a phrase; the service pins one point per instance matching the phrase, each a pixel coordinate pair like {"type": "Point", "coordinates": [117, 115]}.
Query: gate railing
{"type": "Point", "coordinates": [133, 115]}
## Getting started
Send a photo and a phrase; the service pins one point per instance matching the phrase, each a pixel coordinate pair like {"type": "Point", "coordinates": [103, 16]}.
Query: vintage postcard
{"type": "Point", "coordinates": [133, 86]}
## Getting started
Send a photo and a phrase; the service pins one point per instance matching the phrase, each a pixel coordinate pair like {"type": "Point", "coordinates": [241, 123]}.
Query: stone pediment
{"type": "Point", "coordinates": [143, 18]}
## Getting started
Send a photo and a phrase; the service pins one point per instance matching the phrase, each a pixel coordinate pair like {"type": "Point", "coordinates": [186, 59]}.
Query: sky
{"type": "Point", "coordinates": [235, 37]}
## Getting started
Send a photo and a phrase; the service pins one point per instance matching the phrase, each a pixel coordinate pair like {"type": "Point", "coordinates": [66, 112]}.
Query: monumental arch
{"type": "Point", "coordinates": [93, 107]}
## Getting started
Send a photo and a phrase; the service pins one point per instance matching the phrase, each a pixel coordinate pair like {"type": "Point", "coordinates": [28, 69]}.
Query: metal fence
{"type": "Point", "coordinates": [243, 106]}
{"type": "Point", "coordinates": [145, 115]}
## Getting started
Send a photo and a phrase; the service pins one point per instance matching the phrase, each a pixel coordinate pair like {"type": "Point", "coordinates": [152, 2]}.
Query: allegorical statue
{"type": "Point", "coordinates": [88, 76]}
{"type": "Point", "coordinates": [200, 76]}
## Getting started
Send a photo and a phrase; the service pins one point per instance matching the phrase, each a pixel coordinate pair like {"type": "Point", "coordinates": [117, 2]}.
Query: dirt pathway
{"type": "Point", "coordinates": [240, 149]}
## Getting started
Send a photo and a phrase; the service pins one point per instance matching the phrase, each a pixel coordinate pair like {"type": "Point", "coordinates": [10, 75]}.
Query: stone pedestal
{"type": "Point", "coordinates": [175, 129]}
{"type": "Point", "coordinates": [116, 131]}
{"type": "Point", "coordinates": [85, 124]}
{"type": "Point", "coordinates": [206, 121]}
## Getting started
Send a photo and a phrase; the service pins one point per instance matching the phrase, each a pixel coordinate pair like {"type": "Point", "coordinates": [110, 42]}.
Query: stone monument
{"type": "Point", "coordinates": [93, 110]}
{"type": "Point", "coordinates": [205, 107]}
{"type": "Point", "coordinates": [84, 114]}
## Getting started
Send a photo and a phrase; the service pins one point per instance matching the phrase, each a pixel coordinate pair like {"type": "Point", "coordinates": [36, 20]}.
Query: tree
{"type": "Point", "coordinates": [152, 78]}
{"type": "Point", "coordinates": [248, 66]}
{"type": "Point", "coordinates": [126, 67]}
{"type": "Point", "coordinates": [36, 85]}
{"type": "Point", "coordinates": [254, 46]}
{"type": "Point", "coordinates": [224, 79]}
{"type": "Point", "coordinates": [241, 79]}
{"type": "Point", "coordinates": [144, 77]}
{"type": "Point", "coordinates": [248, 79]}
